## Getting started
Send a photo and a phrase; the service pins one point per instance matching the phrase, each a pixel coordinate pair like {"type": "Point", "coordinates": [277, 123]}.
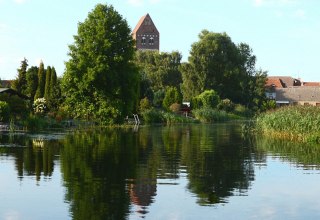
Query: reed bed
{"type": "Point", "coordinates": [300, 123]}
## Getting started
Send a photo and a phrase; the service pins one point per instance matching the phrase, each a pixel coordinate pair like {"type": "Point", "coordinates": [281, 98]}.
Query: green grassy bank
{"type": "Point", "coordinates": [300, 123]}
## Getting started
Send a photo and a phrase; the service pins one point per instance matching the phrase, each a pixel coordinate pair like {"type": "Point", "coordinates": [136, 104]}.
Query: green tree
{"type": "Point", "coordinates": [4, 111]}
{"type": "Point", "coordinates": [101, 81]}
{"type": "Point", "coordinates": [32, 81]}
{"type": "Point", "coordinates": [257, 91]}
{"type": "Point", "coordinates": [47, 84]}
{"type": "Point", "coordinates": [217, 63]}
{"type": "Point", "coordinates": [162, 69]}
{"type": "Point", "coordinates": [53, 82]}
{"type": "Point", "coordinates": [55, 99]}
{"type": "Point", "coordinates": [18, 106]}
{"type": "Point", "coordinates": [209, 98]}
{"type": "Point", "coordinates": [20, 83]}
{"type": "Point", "coordinates": [172, 95]}
{"type": "Point", "coordinates": [41, 82]}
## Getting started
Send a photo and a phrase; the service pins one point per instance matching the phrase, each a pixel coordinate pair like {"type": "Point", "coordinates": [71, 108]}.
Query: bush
{"type": "Point", "coordinates": [18, 106]}
{"type": "Point", "coordinates": [226, 105]}
{"type": "Point", "coordinates": [4, 111]}
{"type": "Point", "coordinates": [208, 115]}
{"type": "Point", "coordinates": [40, 106]}
{"type": "Point", "coordinates": [35, 123]}
{"type": "Point", "coordinates": [152, 116]}
{"type": "Point", "coordinates": [242, 111]}
{"type": "Point", "coordinates": [268, 104]}
{"type": "Point", "coordinates": [144, 104]}
{"type": "Point", "coordinates": [172, 118]}
{"type": "Point", "coordinates": [158, 98]}
{"type": "Point", "coordinates": [172, 95]}
{"type": "Point", "coordinates": [196, 103]}
{"type": "Point", "coordinates": [175, 107]}
{"type": "Point", "coordinates": [157, 116]}
{"type": "Point", "coordinates": [207, 99]}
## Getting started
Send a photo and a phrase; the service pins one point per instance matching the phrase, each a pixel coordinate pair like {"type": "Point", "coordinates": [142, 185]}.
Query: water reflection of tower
{"type": "Point", "coordinates": [142, 193]}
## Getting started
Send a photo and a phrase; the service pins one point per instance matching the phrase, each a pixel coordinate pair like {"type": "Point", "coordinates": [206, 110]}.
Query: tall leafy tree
{"type": "Point", "coordinates": [101, 81]}
{"type": "Point", "coordinates": [32, 81]}
{"type": "Point", "coordinates": [41, 82]}
{"type": "Point", "coordinates": [217, 63]}
{"type": "Point", "coordinates": [212, 62]}
{"type": "Point", "coordinates": [161, 69]}
{"type": "Point", "coordinates": [20, 83]}
{"type": "Point", "coordinates": [48, 83]}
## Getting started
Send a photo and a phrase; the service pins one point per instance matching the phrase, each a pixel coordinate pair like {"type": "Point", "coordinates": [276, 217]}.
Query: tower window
{"type": "Point", "coordinates": [151, 40]}
{"type": "Point", "coordinates": [143, 40]}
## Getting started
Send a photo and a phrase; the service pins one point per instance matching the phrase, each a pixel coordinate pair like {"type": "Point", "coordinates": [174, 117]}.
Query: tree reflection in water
{"type": "Point", "coordinates": [33, 157]}
{"type": "Point", "coordinates": [113, 173]}
{"type": "Point", "coordinates": [302, 155]}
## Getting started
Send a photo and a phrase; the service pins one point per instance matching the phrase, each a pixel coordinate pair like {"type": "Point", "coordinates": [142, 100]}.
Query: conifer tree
{"type": "Point", "coordinates": [32, 81]}
{"type": "Point", "coordinates": [41, 82]}
{"type": "Point", "coordinates": [47, 84]}
{"type": "Point", "coordinates": [20, 84]}
{"type": "Point", "coordinates": [53, 81]}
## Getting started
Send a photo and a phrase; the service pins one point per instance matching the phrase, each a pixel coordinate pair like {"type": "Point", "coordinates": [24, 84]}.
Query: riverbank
{"type": "Point", "coordinates": [298, 123]}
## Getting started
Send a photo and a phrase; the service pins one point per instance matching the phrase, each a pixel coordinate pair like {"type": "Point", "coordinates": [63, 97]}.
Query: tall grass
{"type": "Point", "coordinates": [153, 116]}
{"type": "Point", "coordinates": [209, 115]}
{"type": "Point", "coordinates": [292, 122]}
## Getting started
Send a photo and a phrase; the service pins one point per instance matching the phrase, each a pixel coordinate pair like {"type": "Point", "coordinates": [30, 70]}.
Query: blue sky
{"type": "Point", "coordinates": [284, 34]}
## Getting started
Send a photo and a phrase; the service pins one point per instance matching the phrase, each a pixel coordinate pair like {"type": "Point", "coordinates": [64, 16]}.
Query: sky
{"type": "Point", "coordinates": [283, 34]}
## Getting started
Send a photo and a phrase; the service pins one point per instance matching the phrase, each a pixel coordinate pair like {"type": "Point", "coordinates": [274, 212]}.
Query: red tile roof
{"type": "Point", "coordinates": [274, 82]}
{"type": "Point", "coordinates": [139, 23]}
{"type": "Point", "coordinates": [311, 83]}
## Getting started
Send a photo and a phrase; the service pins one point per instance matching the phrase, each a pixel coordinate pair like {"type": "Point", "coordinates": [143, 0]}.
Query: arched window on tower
{"type": "Point", "coordinates": [151, 41]}
{"type": "Point", "coordinates": [143, 40]}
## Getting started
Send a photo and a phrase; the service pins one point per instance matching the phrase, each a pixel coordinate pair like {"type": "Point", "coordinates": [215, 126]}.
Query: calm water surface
{"type": "Point", "coordinates": [178, 172]}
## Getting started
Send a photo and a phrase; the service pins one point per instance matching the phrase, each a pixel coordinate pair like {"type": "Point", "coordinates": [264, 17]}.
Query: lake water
{"type": "Point", "coordinates": [160, 172]}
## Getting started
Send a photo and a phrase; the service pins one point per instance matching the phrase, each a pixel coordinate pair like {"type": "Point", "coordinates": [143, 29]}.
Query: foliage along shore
{"type": "Point", "coordinates": [106, 79]}
{"type": "Point", "coordinates": [296, 123]}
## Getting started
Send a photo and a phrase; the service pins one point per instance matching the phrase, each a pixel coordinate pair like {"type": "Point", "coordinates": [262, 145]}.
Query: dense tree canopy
{"type": "Point", "coordinates": [100, 79]}
{"type": "Point", "coordinates": [161, 69]}
{"type": "Point", "coordinates": [217, 63]}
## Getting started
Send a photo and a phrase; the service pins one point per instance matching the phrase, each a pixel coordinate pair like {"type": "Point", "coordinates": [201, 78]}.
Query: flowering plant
{"type": "Point", "coordinates": [40, 106]}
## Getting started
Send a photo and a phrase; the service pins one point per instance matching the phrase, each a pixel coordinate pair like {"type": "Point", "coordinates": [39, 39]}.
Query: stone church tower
{"type": "Point", "coordinates": [146, 34]}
